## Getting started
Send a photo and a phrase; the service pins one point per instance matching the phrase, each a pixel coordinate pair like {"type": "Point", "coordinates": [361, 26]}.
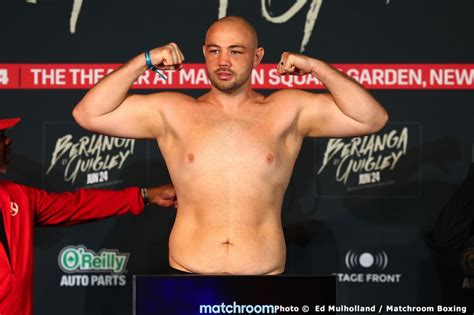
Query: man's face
{"type": "Point", "coordinates": [5, 143]}
{"type": "Point", "coordinates": [230, 53]}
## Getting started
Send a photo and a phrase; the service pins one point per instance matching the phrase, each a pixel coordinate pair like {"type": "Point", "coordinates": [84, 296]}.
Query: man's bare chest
{"type": "Point", "coordinates": [260, 134]}
{"type": "Point", "coordinates": [232, 131]}
{"type": "Point", "coordinates": [229, 139]}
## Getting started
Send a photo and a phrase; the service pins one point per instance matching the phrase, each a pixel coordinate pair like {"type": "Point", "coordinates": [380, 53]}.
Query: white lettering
{"type": "Point", "coordinates": [368, 154]}
{"type": "Point", "coordinates": [451, 76]}
{"type": "Point", "coordinates": [4, 76]}
{"type": "Point", "coordinates": [387, 77]}
{"type": "Point", "coordinates": [49, 76]}
{"type": "Point", "coordinates": [90, 155]}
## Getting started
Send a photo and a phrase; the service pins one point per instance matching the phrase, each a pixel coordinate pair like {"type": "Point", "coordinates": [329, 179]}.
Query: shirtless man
{"type": "Point", "coordinates": [230, 152]}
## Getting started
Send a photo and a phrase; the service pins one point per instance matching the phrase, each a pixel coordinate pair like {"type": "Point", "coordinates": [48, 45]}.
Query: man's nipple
{"type": "Point", "coordinates": [190, 158]}
{"type": "Point", "coordinates": [269, 158]}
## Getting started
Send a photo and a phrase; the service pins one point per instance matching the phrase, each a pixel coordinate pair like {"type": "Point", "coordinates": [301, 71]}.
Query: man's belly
{"type": "Point", "coordinates": [227, 247]}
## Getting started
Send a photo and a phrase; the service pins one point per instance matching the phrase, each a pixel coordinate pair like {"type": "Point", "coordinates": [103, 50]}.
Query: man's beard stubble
{"type": "Point", "coordinates": [228, 86]}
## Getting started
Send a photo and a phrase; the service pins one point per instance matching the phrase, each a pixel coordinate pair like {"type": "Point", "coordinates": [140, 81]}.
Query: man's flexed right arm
{"type": "Point", "coordinates": [108, 108]}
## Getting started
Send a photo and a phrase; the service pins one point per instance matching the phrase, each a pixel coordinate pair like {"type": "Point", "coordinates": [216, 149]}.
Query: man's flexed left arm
{"type": "Point", "coordinates": [349, 110]}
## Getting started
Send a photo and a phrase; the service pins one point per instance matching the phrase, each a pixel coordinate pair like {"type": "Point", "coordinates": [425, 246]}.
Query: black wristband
{"type": "Point", "coordinates": [144, 194]}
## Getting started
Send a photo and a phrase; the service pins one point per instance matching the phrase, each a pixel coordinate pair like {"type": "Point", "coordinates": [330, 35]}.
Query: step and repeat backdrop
{"type": "Point", "coordinates": [361, 208]}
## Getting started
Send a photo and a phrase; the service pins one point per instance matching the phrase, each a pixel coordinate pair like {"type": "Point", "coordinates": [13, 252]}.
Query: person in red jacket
{"type": "Point", "coordinates": [23, 207]}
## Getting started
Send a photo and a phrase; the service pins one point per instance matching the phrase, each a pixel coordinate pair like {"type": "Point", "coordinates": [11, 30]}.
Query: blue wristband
{"type": "Point", "coordinates": [148, 60]}
{"type": "Point", "coordinates": [149, 65]}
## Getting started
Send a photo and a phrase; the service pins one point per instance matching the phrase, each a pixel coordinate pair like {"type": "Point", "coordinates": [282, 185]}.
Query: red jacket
{"type": "Point", "coordinates": [24, 207]}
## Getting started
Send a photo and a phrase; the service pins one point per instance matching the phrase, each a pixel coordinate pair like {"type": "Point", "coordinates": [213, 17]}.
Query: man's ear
{"type": "Point", "coordinates": [204, 50]}
{"type": "Point", "coordinates": [258, 56]}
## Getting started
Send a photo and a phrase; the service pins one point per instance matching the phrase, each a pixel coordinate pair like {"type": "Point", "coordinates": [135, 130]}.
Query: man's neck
{"type": "Point", "coordinates": [231, 100]}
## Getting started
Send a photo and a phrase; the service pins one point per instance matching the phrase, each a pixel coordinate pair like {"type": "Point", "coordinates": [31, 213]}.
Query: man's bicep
{"type": "Point", "coordinates": [321, 117]}
{"type": "Point", "coordinates": [137, 117]}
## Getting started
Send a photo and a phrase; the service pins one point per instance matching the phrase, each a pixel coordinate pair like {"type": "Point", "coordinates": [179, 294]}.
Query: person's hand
{"type": "Point", "coordinates": [164, 196]}
{"type": "Point", "coordinates": [294, 64]}
{"type": "Point", "coordinates": [168, 57]}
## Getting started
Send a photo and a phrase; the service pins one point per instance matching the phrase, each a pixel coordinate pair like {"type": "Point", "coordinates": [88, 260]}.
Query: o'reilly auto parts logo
{"type": "Point", "coordinates": [83, 266]}
{"type": "Point", "coordinates": [367, 267]}
{"type": "Point", "coordinates": [81, 259]}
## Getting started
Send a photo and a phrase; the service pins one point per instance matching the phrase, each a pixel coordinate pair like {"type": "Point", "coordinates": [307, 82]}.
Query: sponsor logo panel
{"type": "Point", "coordinates": [84, 267]}
{"type": "Point", "coordinates": [367, 267]}
{"type": "Point", "coordinates": [78, 158]}
{"type": "Point", "coordinates": [383, 164]}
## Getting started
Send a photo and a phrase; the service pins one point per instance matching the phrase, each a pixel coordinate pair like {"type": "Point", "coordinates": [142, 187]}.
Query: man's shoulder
{"type": "Point", "coordinates": [172, 96]}
{"type": "Point", "coordinates": [287, 97]}
{"type": "Point", "coordinates": [169, 101]}
{"type": "Point", "coordinates": [291, 97]}
{"type": "Point", "coordinates": [285, 94]}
